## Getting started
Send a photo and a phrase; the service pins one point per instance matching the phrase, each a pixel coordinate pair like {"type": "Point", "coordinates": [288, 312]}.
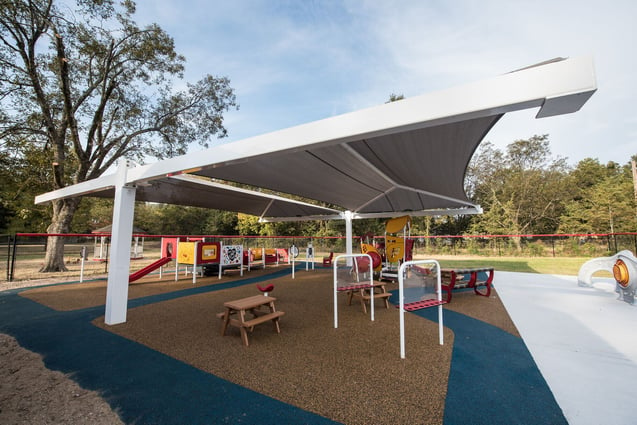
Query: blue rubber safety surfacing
{"type": "Point", "coordinates": [141, 384]}
{"type": "Point", "coordinates": [493, 378]}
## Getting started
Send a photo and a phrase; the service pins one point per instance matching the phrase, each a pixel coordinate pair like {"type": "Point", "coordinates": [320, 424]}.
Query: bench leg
{"type": "Point", "coordinates": [276, 325]}
{"type": "Point", "coordinates": [244, 336]}
{"type": "Point", "coordinates": [363, 302]}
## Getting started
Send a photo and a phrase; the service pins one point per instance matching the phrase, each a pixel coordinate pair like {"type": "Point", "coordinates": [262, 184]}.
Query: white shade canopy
{"type": "Point", "coordinates": [404, 157]}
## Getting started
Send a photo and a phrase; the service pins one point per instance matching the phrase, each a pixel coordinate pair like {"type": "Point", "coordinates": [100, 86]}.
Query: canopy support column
{"type": "Point", "coordinates": [121, 234]}
{"type": "Point", "coordinates": [348, 235]}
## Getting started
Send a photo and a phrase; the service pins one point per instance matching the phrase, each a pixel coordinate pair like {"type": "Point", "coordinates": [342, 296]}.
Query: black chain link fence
{"type": "Point", "coordinates": [23, 254]}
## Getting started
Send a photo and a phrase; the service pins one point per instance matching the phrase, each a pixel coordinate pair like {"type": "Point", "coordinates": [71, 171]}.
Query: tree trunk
{"type": "Point", "coordinates": [517, 241]}
{"type": "Point", "coordinates": [63, 211]}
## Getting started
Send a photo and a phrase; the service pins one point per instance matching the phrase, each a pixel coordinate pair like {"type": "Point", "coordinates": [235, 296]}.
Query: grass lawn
{"type": "Point", "coordinates": [27, 268]}
{"type": "Point", "coordinates": [544, 265]}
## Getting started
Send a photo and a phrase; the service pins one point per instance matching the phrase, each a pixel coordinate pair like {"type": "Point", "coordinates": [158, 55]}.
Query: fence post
{"type": "Point", "coordinates": [106, 259]}
{"type": "Point", "coordinates": [553, 245]}
{"type": "Point", "coordinates": [8, 255]}
{"type": "Point", "coordinates": [11, 269]}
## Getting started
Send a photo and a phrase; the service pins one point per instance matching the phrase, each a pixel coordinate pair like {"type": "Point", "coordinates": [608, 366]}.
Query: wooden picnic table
{"type": "Point", "coordinates": [365, 292]}
{"type": "Point", "coordinates": [457, 279]}
{"type": "Point", "coordinates": [235, 314]}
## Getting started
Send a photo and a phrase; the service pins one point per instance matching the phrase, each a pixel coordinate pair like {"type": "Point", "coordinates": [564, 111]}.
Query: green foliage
{"type": "Point", "coordinates": [93, 86]}
{"type": "Point", "coordinates": [85, 85]}
{"type": "Point", "coordinates": [395, 97]}
{"type": "Point", "coordinates": [248, 225]}
{"type": "Point", "coordinates": [23, 173]}
{"type": "Point", "coordinates": [92, 214]}
{"type": "Point", "coordinates": [603, 201]}
{"type": "Point", "coordinates": [521, 191]}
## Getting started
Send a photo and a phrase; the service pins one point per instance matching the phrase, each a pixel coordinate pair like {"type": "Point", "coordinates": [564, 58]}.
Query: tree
{"type": "Point", "coordinates": [22, 175]}
{"type": "Point", "coordinates": [603, 200]}
{"type": "Point", "coordinates": [221, 223]}
{"type": "Point", "coordinates": [89, 87]}
{"type": "Point", "coordinates": [395, 97]}
{"type": "Point", "coordinates": [522, 191]}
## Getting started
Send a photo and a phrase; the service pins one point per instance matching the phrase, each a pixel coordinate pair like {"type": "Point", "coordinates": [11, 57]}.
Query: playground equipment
{"type": "Point", "coordinates": [168, 253]}
{"type": "Point", "coordinates": [348, 279]}
{"type": "Point", "coordinates": [622, 265]}
{"type": "Point", "coordinates": [261, 257]}
{"type": "Point", "coordinates": [398, 246]}
{"type": "Point", "coordinates": [265, 290]}
{"type": "Point", "coordinates": [309, 256]}
{"type": "Point", "coordinates": [327, 261]}
{"type": "Point", "coordinates": [149, 268]}
{"type": "Point", "coordinates": [199, 254]}
{"type": "Point", "coordinates": [377, 259]}
{"type": "Point", "coordinates": [419, 287]}
{"type": "Point", "coordinates": [100, 246]}
{"type": "Point", "coordinates": [294, 252]}
{"type": "Point", "coordinates": [231, 257]}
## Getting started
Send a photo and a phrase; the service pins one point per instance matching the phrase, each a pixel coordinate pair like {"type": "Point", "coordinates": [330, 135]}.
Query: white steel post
{"type": "Point", "coordinates": [194, 263]}
{"type": "Point", "coordinates": [348, 236]}
{"type": "Point", "coordinates": [121, 234]}
{"type": "Point", "coordinates": [177, 261]}
{"type": "Point", "coordinates": [335, 294]}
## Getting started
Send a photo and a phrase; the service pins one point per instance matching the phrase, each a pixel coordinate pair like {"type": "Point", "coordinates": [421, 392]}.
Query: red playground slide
{"type": "Point", "coordinates": [149, 268]}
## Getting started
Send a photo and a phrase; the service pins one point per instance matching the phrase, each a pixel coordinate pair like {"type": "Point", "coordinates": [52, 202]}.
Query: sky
{"type": "Point", "coordinates": [291, 62]}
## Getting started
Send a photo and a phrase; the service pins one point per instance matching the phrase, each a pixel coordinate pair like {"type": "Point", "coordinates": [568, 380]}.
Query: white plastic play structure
{"type": "Point", "coordinates": [348, 278]}
{"type": "Point", "coordinates": [309, 256]}
{"type": "Point", "coordinates": [622, 265]}
{"type": "Point", "coordinates": [419, 286]}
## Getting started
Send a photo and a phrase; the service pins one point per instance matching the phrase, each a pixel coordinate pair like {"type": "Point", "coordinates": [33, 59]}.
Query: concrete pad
{"type": "Point", "coordinates": [583, 341]}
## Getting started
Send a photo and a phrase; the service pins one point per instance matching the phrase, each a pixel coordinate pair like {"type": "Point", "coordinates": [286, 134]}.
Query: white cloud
{"type": "Point", "coordinates": [293, 62]}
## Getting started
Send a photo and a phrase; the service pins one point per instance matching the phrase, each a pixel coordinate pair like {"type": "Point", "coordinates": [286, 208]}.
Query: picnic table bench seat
{"type": "Point", "coordinates": [262, 318]}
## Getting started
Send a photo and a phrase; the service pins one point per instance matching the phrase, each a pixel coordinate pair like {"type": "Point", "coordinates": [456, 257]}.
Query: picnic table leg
{"type": "Point", "coordinates": [449, 288]}
{"type": "Point", "coordinates": [276, 319]}
{"type": "Point", "coordinates": [244, 331]}
{"type": "Point", "coordinates": [487, 284]}
{"type": "Point", "coordinates": [473, 279]}
{"type": "Point", "coordinates": [382, 290]}
{"type": "Point", "coordinates": [363, 303]}
{"type": "Point", "coordinates": [226, 320]}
